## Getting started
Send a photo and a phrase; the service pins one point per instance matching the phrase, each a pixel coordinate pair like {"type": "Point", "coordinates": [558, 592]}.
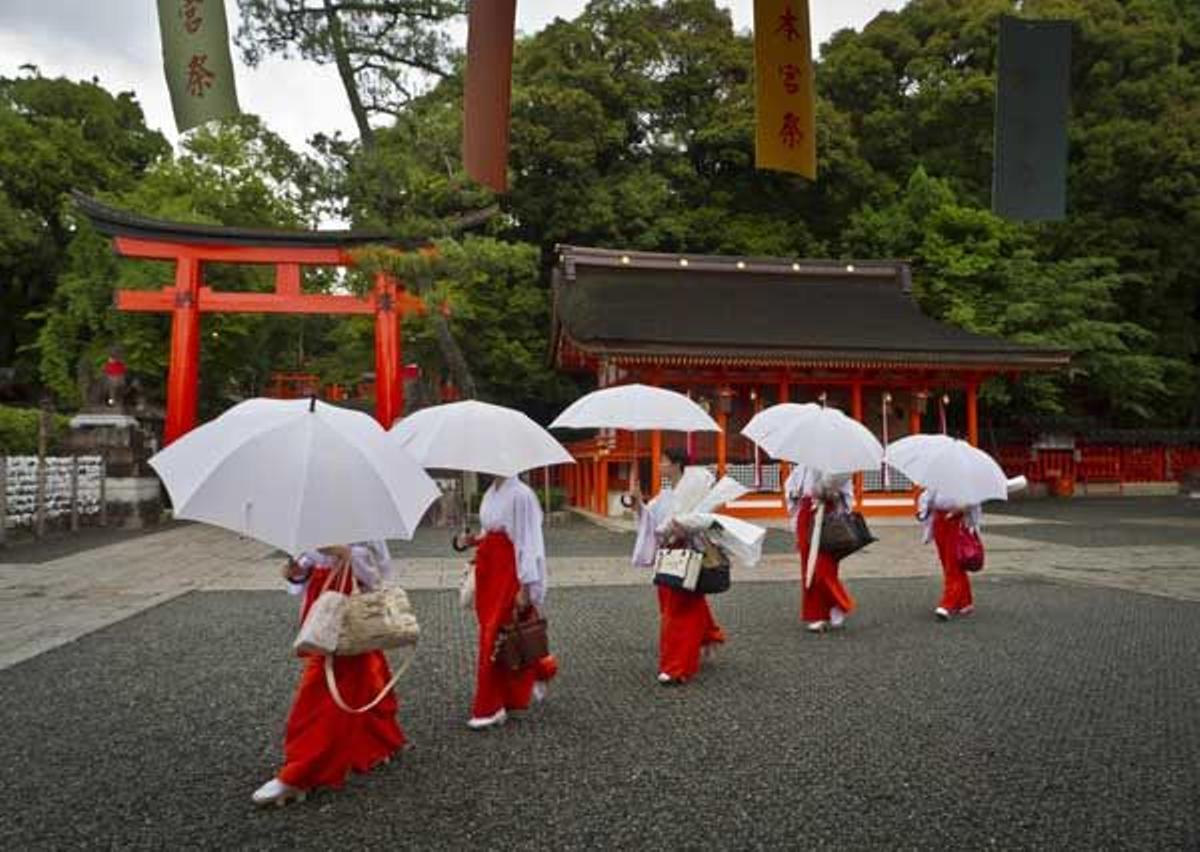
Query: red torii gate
{"type": "Point", "coordinates": [189, 246]}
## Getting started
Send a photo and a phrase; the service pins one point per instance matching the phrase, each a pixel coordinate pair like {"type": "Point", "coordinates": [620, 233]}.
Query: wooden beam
{"type": "Point", "coordinates": [212, 301]}
{"type": "Point", "coordinates": [217, 253]}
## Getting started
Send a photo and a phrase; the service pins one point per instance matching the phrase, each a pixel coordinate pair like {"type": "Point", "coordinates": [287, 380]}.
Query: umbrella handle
{"type": "Point", "coordinates": [455, 542]}
{"type": "Point", "coordinates": [627, 501]}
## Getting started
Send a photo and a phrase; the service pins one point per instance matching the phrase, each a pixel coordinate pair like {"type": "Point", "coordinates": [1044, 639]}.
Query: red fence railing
{"type": "Point", "coordinates": [1100, 463]}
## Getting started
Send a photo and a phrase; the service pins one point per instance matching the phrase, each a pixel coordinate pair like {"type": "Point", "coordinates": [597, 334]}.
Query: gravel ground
{"type": "Point", "coordinates": [1057, 716]}
{"type": "Point", "coordinates": [1105, 521]}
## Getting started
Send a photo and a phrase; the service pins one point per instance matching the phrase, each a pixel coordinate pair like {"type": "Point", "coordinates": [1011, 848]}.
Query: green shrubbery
{"type": "Point", "coordinates": [19, 430]}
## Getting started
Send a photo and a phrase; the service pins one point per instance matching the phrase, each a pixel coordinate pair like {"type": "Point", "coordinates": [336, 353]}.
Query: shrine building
{"type": "Point", "coordinates": [739, 334]}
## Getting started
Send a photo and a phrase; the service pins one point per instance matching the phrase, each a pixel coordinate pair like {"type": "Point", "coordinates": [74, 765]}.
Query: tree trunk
{"type": "Point", "coordinates": [342, 58]}
{"type": "Point", "coordinates": [452, 354]}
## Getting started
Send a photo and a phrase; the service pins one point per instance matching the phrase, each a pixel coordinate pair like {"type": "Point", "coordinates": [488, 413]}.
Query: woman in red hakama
{"type": "Point", "coordinates": [510, 578]}
{"type": "Point", "coordinates": [824, 602]}
{"type": "Point", "coordinates": [323, 744]}
{"type": "Point", "coordinates": [943, 522]}
{"type": "Point", "coordinates": [687, 629]}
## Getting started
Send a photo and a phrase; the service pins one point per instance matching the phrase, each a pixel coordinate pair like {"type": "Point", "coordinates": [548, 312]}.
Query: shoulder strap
{"type": "Point", "coordinates": [331, 682]}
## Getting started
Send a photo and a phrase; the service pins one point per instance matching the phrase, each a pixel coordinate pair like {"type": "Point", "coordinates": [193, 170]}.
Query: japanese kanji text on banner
{"type": "Point", "coordinates": [786, 135]}
{"type": "Point", "coordinates": [195, 41]}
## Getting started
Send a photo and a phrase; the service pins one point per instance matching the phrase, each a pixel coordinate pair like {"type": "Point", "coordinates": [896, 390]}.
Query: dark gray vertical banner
{"type": "Point", "coordinates": [1033, 94]}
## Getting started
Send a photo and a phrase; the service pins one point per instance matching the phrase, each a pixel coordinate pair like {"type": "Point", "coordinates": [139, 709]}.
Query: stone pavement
{"type": "Point", "coordinates": [1150, 546]}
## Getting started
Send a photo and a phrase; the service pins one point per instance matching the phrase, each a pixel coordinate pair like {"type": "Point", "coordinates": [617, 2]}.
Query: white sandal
{"type": "Point", "coordinates": [480, 723]}
{"type": "Point", "coordinates": [275, 792]}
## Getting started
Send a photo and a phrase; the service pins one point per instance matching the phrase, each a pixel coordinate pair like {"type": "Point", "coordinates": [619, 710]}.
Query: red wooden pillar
{"type": "Point", "coordinates": [856, 409]}
{"type": "Point", "coordinates": [655, 467]}
{"type": "Point", "coordinates": [724, 403]}
{"type": "Point", "coordinates": [914, 428]}
{"type": "Point", "coordinates": [656, 447]}
{"type": "Point", "coordinates": [723, 422]}
{"type": "Point", "coordinates": [973, 412]}
{"type": "Point", "coordinates": [389, 384]}
{"type": "Point", "coordinates": [602, 485]}
{"type": "Point", "coordinates": [183, 371]}
{"type": "Point", "coordinates": [785, 395]}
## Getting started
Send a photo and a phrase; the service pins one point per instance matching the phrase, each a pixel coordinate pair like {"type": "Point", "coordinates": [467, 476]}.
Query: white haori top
{"type": "Point", "coordinates": [690, 505]}
{"type": "Point", "coordinates": [510, 506]}
{"type": "Point", "coordinates": [930, 502]}
{"type": "Point", "coordinates": [369, 560]}
{"type": "Point", "coordinates": [805, 481]}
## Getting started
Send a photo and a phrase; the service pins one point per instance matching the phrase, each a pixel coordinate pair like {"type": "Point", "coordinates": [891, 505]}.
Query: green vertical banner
{"type": "Point", "coordinates": [196, 60]}
{"type": "Point", "coordinates": [1029, 179]}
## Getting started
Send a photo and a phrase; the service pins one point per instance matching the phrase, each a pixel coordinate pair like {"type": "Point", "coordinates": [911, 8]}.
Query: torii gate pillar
{"type": "Point", "coordinates": [183, 369]}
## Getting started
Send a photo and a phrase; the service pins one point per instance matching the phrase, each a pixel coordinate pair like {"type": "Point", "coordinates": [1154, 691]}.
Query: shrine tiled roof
{"type": "Point", "coordinates": [114, 222]}
{"type": "Point", "coordinates": [640, 306]}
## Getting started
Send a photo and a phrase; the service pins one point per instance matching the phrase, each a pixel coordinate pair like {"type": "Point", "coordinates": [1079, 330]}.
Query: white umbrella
{"type": "Point", "coordinates": [816, 436]}
{"type": "Point", "coordinates": [951, 467]}
{"type": "Point", "coordinates": [635, 407]}
{"type": "Point", "coordinates": [477, 436]}
{"type": "Point", "coordinates": [296, 474]}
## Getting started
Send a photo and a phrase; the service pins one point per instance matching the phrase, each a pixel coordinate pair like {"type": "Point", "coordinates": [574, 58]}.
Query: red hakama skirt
{"type": "Point", "coordinates": [496, 588]}
{"type": "Point", "coordinates": [825, 591]}
{"type": "Point", "coordinates": [956, 583]}
{"type": "Point", "coordinates": [324, 743]}
{"type": "Point", "coordinates": [686, 625]}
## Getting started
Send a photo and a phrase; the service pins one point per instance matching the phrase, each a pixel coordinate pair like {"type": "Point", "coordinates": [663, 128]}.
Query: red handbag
{"type": "Point", "coordinates": [968, 549]}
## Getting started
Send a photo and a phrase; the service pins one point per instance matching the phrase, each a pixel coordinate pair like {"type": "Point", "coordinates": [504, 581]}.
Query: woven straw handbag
{"type": "Point", "coordinates": [343, 624]}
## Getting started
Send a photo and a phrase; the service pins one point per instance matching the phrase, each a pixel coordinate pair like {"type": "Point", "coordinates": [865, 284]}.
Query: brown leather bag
{"type": "Point", "coordinates": [522, 642]}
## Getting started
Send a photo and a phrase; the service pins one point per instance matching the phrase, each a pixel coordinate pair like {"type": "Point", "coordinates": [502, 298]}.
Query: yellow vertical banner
{"type": "Point", "coordinates": [786, 138]}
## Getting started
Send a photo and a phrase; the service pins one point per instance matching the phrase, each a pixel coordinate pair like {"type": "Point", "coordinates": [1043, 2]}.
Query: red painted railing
{"type": "Point", "coordinates": [1100, 463]}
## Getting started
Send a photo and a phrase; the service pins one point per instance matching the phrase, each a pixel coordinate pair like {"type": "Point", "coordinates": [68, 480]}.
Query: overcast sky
{"type": "Point", "coordinates": [117, 41]}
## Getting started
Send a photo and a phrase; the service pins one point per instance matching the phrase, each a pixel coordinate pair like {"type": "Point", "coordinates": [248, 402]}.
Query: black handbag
{"type": "Point", "coordinates": [844, 534]}
{"type": "Point", "coordinates": [714, 571]}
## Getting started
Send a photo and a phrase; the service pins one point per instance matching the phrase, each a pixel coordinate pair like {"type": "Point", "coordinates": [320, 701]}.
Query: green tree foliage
{"type": "Point", "coordinates": [918, 88]}
{"type": "Point", "coordinates": [985, 274]}
{"type": "Point", "coordinates": [55, 136]}
{"type": "Point", "coordinates": [633, 125]}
